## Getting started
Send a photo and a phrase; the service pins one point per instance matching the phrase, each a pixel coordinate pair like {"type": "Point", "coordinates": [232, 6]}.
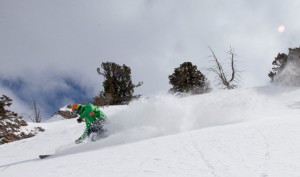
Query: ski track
{"type": "Point", "coordinates": [267, 155]}
{"type": "Point", "coordinates": [202, 156]}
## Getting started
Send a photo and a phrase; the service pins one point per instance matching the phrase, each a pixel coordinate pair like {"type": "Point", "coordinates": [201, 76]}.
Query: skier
{"type": "Point", "coordinates": [94, 119]}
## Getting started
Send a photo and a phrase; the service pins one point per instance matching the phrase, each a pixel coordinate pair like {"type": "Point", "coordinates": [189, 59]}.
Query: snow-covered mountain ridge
{"type": "Point", "coordinates": [242, 132]}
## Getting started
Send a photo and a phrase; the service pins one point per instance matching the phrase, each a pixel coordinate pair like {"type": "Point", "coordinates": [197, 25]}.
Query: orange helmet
{"type": "Point", "coordinates": [75, 106]}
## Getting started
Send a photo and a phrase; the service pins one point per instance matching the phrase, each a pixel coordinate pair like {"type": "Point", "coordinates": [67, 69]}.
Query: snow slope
{"type": "Point", "coordinates": [243, 132]}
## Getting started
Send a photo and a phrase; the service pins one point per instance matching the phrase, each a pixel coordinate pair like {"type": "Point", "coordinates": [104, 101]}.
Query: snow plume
{"type": "Point", "coordinates": [167, 114]}
{"type": "Point", "coordinates": [289, 75]}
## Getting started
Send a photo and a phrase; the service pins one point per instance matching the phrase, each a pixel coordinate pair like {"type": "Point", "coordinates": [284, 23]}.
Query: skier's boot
{"type": "Point", "coordinates": [94, 137]}
{"type": "Point", "coordinates": [78, 141]}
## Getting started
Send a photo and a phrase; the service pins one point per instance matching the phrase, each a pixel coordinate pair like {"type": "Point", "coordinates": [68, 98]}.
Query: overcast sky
{"type": "Point", "coordinates": [50, 49]}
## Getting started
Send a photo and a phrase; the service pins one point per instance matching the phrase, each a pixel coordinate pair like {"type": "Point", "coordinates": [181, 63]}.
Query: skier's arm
{"type": "Point", "coordinates": [99, 114]}
{"type": "Point", "coordinates": [85, 113]}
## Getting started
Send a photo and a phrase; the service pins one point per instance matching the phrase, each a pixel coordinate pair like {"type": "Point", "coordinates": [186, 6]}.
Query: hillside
{"type": "Point", "coordinates": [243, 132]}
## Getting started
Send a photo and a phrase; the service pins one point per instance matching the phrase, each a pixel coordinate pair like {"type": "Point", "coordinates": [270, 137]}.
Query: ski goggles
{"type": "Point", "coordinates": [75, 112]}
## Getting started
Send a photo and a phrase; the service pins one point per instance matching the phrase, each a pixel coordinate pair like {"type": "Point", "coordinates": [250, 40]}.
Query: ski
{"type": "Point", "coordinates": [44, 156]}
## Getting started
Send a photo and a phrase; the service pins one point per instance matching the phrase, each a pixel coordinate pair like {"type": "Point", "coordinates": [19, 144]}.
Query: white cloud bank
{"type": "Point", "coordinates": [44, 40]}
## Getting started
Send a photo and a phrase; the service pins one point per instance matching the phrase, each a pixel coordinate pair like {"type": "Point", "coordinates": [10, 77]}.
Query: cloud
{"type": "Point", "coordinates": [18, 105]}
{"type": "Point", "coordinates": [50, 94]}
{"type": "Point", "coordinates": [45, 42]}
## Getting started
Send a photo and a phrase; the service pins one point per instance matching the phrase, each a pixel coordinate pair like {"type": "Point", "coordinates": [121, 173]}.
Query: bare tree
{"type": "Point", "coordinates": [37, 114]}
{"type": "Point", "coordinates": [221, 76]}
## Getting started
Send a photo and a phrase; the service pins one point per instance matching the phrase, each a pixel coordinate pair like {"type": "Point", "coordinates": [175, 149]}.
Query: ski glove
{"type": "Point", "coordinates": [79, 120]}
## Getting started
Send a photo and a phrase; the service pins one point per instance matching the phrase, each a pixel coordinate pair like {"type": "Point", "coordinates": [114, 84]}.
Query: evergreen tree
{"type": "Point", "coordinates": [5, 101]}
{"type": "Point", "coordinates": [10, 123]}
{"type": "Point", "coordinates": [278, 65]}
{"type": "Point", "coordinates": [285, 70]}
{"type": "Point", "coordinates": [188, 79]}
{"type": "Point", "coordinates": [118, 86]}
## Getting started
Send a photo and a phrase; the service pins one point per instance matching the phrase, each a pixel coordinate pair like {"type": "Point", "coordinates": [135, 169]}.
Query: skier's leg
{"type": "Point", "coordinates": [96, 130]}
{"type": "Point", "coordinates": [83, 136]}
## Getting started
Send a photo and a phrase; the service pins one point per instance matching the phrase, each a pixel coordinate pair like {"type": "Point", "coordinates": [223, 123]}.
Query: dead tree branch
{"type": "Point", "coordinates": [37, 114]}
{"type": "Point", "coordinates": [221, 76]}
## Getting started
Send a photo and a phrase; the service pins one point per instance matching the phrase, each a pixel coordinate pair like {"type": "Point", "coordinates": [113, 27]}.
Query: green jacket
{"type": "Point", "coordinates": [90, 114]}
